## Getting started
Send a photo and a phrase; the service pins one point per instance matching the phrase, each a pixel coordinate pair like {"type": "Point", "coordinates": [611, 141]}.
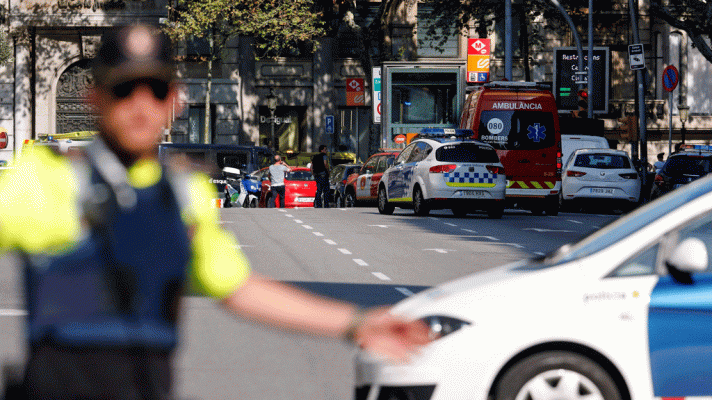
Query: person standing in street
{"type": "Point", "coordinates": [110, 239]}
{"type": "Point", "coordinates": [320, 170]}
{"type": "Point", "coordinates": [277, 173]}
{"type": "Point", "coordinates": [659, 163]}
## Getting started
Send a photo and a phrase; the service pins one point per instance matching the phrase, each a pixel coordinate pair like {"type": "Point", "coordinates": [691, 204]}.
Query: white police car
{"type": "Point", "coordinates": [444, 169]}
{"type": "Point", "coordinates": [625, 313]}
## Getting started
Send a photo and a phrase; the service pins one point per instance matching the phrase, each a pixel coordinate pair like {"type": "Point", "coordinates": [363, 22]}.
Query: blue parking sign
{"type": "Point", "coordinates": [329, 124]}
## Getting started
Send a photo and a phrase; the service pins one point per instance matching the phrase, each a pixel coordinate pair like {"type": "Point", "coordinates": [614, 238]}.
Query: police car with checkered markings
{"type": "Point", "coordinates": [443, 168]}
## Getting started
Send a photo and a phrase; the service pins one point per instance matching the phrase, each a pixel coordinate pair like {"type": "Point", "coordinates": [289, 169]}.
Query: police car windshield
{"type": "Point", "coordinates": [623, 227]}
{"type": "Point", "coordinates": [466, 152]}
{"type": "Point", "coordinates": [517, 130]}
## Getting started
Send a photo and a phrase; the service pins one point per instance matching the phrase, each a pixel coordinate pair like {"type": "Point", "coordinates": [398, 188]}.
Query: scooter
{"type": "Point", "coordinates": [239, 189]}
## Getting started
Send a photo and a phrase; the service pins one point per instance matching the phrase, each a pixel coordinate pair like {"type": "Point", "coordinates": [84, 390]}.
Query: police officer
{"type": "Point", "coordinates": [94, 231]}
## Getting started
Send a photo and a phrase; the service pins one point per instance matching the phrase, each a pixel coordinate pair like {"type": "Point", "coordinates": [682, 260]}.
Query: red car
{"type": "Point", "coordinates": [363, 186]}
{"type": "Point", "coordinates": [299, 185]}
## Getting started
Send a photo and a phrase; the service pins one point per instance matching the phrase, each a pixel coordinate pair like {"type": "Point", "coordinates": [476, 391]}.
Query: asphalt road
{"type": "Point", "coordinates": [352, 254]}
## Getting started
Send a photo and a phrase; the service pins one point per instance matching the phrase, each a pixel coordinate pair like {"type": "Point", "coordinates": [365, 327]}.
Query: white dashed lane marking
{"type": "Point", "coordinates": [344, 251]}
{"type": "Point", "coordinates": [306, 227]}
{"type": "Point", "coordinates": [449, 224]}
{"type": "Point", "coordinates": [318, 234]}
{"type": "Point", "coordinates": [381, 276]}
{"type": "Point", "coordinates": [330, 242]}
{"type": "Point", "coordinates": [404, 291]}
{"type": "Point", "coordinates": [12, 313]}
{"type": "Point", "coordinates": [299, 221]}
{"type": "Point", "coordinates": [574, 221]}
{"type": "Point", "coordinates": [360, 262]}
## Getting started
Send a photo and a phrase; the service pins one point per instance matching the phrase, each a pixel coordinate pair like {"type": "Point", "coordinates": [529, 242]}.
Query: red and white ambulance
{"type": "Point", "coordinates": [520, 120]}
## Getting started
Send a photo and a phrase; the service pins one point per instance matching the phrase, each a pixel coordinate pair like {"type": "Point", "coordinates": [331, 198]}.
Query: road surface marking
{"type": "Point", "coordinates": [344, 251]}
{"type": "Point", "coordinates": [288, 215]}
{"type": "Point", "coordinates": [449, 224]}
{"type": "Point", "coordinates": [380, 226]}
{"type": "Point", "coordinates": [360, 262]}
{"type": "Point", "coordinates": [307, 227]}
{"type": "Point", "coordinates": [329, 241]}
{"type": "Point", "coordinates": [469, 231]}
{"type": "Point", "coordinates": [404, 291]}
{"type": "Point", "coordinates": [12, 313]}
{"type": "Point", "coordinates": [441, 251]}
{"type": "Point", "coordinates": [487, 237]}
{"type": "Point", "coordinates": [574, 221]}
{"type": "Point", "coordinates": [381, 276]}
{"type": "Point", "coordinates": [318, 234]}
{"type": "Point", "coordinates": [281, 210]}
{"type": "Point", "coordinates": [540, 230]}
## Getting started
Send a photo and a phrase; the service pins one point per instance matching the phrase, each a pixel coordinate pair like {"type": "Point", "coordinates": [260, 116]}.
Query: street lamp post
{"type": "Point", "coordinates": [272, 105]}
{"type": "Point", "coordinates": [684, 114]}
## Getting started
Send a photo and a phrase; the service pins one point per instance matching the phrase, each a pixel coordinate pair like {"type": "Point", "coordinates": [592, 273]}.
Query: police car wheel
{"type": "Point", "coordinates": [419, 205]}
{"type": "Point", "coordinates": [350, 200]}
{"type": "Point", "coordinates": [383, 206]}
{"type": "Point", "coordinates": [556, 375]}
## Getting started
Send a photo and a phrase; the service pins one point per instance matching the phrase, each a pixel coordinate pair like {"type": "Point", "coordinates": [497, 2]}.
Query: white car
{"type": "Point", "coordinates": [625, 313]}
{"type": "Point", "coordinates": [601, 175]}
{"type": "Point", "coordinates": [445, 171]}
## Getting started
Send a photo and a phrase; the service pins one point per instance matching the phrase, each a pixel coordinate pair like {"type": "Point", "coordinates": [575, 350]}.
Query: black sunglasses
{"type": "Point", "coordinates": [158, 87]}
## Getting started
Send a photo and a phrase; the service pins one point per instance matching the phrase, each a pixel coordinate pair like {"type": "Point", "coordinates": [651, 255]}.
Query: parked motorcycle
{"type": "Point", "coordinates": [241, 190]}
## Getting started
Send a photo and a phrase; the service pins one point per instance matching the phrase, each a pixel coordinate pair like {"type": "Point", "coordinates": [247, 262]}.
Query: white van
{"type": "Point", "coordinates": [569, 143]}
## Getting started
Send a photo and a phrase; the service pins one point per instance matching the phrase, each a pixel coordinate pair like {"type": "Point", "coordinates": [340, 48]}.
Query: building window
{"type": "Point", "coordinates": [436, 41]}
{"type": "Point", "coordinates": [196, 124]}
{"type": "Point", "coordinates": [498, 50]}
{"type": "Point", "coordinates": [347, 45]}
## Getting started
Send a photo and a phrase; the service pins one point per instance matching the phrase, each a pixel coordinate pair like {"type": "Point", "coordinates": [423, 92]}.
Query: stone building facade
{"type": "Point", "coordinates": [42, 87]}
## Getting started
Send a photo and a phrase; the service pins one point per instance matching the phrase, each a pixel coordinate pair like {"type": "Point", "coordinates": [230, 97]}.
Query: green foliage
{"type": "Point", "coordinates": [279, 26]}
{"type": "Point", "coordinates": [691, 16]}
{"type": "Point", "coordinates": [6, 48]}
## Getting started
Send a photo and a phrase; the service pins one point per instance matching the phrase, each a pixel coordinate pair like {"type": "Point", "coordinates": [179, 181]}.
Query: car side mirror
{"type": "Point", "coordinates": [688, 257]}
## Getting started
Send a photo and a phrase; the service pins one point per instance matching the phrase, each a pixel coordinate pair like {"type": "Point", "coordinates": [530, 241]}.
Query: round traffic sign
{"type": "Point", "coordinates": [399, 139]}
{"type": "Point", "coordinates": [670, 78]}
{"type": "Point", "coordinates": [3, 139]}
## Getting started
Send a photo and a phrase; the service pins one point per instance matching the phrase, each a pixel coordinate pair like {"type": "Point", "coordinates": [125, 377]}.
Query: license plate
{"type": "Point", "coordinates": [601, 191]}
{"type": "Point", "coordinates": [478, 194]}
{"type": "Point", "coordinates": [305, 200]}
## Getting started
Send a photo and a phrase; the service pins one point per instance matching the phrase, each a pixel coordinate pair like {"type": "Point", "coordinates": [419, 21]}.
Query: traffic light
{"type": "Point", "coordinates": [628, 127]}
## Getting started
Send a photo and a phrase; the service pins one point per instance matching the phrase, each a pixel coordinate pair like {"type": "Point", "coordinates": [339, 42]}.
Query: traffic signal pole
{"type": "Point", "coordinates": [642, 117]}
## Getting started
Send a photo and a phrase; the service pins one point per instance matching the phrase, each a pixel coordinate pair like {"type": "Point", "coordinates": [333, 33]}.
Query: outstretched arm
{"type": "Point", "coordinates": [290, 308]}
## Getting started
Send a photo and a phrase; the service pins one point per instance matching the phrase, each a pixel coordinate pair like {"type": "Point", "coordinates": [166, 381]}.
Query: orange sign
{"type": "Point", "coordinates": [355, 92]}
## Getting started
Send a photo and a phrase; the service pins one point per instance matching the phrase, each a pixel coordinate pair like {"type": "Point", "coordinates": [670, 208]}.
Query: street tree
{"type": "Point", "coordinates": [279, 27]}
{"type": "Point", "coordinates": [691, 16]}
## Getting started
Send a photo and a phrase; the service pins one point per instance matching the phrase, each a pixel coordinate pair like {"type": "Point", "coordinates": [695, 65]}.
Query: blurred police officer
{"type": "Point", "coordinates": [94, 233]}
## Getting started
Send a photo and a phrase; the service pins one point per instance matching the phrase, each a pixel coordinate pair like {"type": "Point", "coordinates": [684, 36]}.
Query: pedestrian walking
{"type": "Point", "coordinates": [111, 238]}
{"type": "Point", "coordinates": [320, 170]}
{"type": "Point", "coordinates": [277, 172]}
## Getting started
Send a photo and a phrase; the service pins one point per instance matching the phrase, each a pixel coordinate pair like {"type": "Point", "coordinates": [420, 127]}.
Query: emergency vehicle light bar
{"type": "Point", "coordinates": [699, 147]}
{"type": "Point", "coordinates": [446, 132]}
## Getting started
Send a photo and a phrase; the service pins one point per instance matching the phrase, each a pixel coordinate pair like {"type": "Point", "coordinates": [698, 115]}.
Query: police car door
{"type": "Point", "coordinates": [680, 325]}
{"type": "Point", "coordinates": [363, 184]}
{"type": "Point", "coordinates": [394, 180]}
{"type": "Point", "coordinates": [420, 152]}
